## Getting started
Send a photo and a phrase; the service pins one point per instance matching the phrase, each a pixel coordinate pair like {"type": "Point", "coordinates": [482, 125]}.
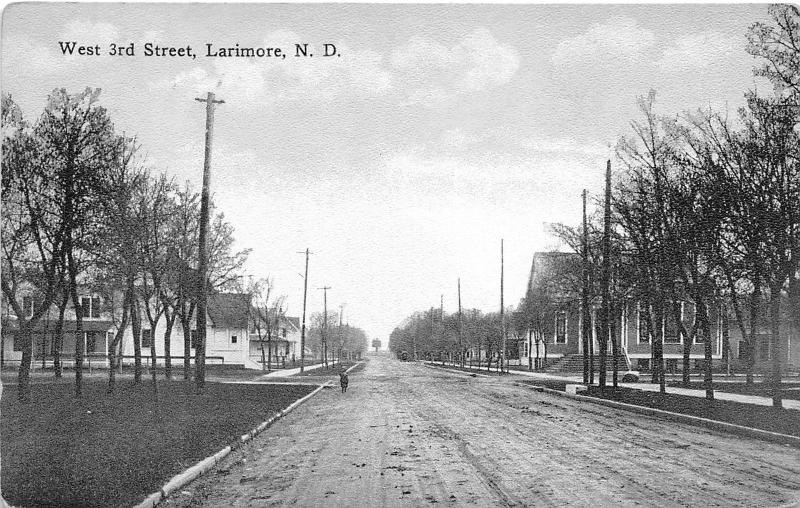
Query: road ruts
{"type": "Point", "coordinates": [409, 435]}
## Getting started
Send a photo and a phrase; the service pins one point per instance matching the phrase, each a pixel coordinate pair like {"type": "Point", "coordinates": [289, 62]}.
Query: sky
{"type": "Point", "coordinates": [402, 161]}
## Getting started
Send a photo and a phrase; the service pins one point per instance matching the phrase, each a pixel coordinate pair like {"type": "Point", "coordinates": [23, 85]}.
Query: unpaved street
{"type": "Point", "coordinates": [409, 435]}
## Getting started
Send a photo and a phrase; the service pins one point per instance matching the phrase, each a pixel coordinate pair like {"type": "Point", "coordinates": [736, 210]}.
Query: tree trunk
{"type": "Point", "coordinates": [153, 357]}
{"type": "Point", "coordinates": [112, 357]}
{"type": "Point", "coordinates": [136, 328]}
{"type": "Point", "coordinates": [687, 344]}
{"type": "Point", "coordinates": [614, 350]}
{"type": "Point", "coordinates": [705, 327]}
{"type": "Point", "coordinates": [263, 356]}
{"type": "Point", "coordinates": [602, 343]}
{"type": "Point", "coordinates": [530, 345]}
{"type": "Point", "coordinates": [73, 275]}
{"type": "Point", "coordinates": [755, 299]}
{"type": "Point", "coordinates": [25, 335]}
{"type": "Point", "coordinates": [544, 360]}
{"type": "Point", "coordinates": [269, 352]}
{"type": "Point", "coordinates": [187, 346]}
{"type": "Point", "coordinates": [775, 323]}
{"type": "Point", "coordinates": [59, 335]}
{"type": "Point", "coordinates": [170, 322]}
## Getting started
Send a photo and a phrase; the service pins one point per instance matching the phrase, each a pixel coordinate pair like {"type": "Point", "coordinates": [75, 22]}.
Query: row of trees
{"type": "Point", "coordinates": [334, 339]}
{"type": "Point", "coordinates": [707, 208]}
{"type": "Point", "coordinates": [457, 337]}
{"type": "Point", "coordinates": [331, 339]}
{"type": "Point", "coordinates": [82, 209]}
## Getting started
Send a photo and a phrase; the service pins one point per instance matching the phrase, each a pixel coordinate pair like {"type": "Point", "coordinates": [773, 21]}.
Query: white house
{"type": "Point", "coordinates": [227, 333]}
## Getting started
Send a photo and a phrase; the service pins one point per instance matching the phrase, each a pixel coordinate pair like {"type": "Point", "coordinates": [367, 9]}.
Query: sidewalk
{"type": "Point", "coordinates": [651, 387]}
{"type": "Point", "coordinates": [291, 372]}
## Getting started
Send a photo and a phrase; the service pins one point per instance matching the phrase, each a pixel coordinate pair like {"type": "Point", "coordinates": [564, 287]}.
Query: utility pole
{"type": "Point", "coordinates": [441, 322]}
{"type": "Point", "coordinates": [606, 280]}
{"type": "Point", "coordinates": [202, 267]}
{"type": "Point", "coordinates": [325, 326]}
{"type": "Point", "coordinates": [586, 320]}
{"type": "Point", "coordinates": [504, 359]}
{"type": "Point", "coordinates": [460, 326]}
{"type": "Point", "coordinates": [430, 335]}
{"type": "Point", "coordinates": [341, 337]}
{"type": "Point", "coordinates": [303, 328]}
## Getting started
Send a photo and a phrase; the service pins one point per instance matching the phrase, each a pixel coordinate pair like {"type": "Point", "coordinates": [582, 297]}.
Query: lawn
{"type": "Point", "coordinates": [114, 450]}
{"type": "Point", "coordinates": [783, 421]}
{"type": "Point", "coordinates": [790, 389]}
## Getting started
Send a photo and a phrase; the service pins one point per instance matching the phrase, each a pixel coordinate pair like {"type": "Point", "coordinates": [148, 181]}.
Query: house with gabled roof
{"type": "Point", "coordinates": [226, 333]}
{"type": "Point", "coordinates": [97, 325]}
{"type": "Point", "coordinates": [553, 306]}
{"type": "Point", "coordinates": [281, 350]}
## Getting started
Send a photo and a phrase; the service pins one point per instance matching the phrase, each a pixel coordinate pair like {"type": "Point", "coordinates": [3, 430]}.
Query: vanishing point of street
{"type": "Point", "coordinates": [407, 434]}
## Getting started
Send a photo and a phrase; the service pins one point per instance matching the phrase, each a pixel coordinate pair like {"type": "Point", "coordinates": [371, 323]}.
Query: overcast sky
{"type": "Point", "coordinates": [402, 162]}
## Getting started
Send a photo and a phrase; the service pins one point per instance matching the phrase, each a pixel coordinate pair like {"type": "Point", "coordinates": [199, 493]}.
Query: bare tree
{"type": "Point", "coordinates": [78, 146]}
{"type": "Point", "coordinates": [33, 242]}
{"type": "Point", "coordinates": [266, 316]}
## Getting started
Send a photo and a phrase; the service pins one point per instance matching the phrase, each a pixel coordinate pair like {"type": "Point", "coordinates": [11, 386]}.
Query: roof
{"type": "Point", "coordinates": [229, 310]}
{"type": "Point", "coordinates": [555, 273]}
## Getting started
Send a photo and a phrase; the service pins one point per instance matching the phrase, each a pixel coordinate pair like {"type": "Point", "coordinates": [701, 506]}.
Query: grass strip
{"type": "Point", "coordinates": [115, 449]}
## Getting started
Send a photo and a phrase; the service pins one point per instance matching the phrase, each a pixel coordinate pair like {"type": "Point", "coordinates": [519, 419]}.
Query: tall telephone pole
{"type": "Point", "coordinates": [441, 325]}
{"type": "Point", "coordinates": [502, 315]}
{"type": "Point", "coordinates": [606, 280]}
{"type": "Point", "coordinates": [325, 326]}
{"type": "Point", "coordinates": [202, 266]}
{"type": "Point", "coordinates": [586, 324]}
{"type": "Point", "coordinates": [341, 337]}
{"type": "Point", "coordinates": [303, 328]}
{"type": "Point", "coordinates": [460, 331]}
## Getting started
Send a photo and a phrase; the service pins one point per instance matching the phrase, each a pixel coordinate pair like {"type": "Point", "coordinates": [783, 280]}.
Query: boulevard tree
{"type": "Point", "coordinates": [33, 233]}
{"type": "Point", "coordinates": [77, 147]}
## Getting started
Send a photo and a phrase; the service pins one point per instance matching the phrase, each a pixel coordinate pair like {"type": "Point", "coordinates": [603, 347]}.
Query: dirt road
{"type": "Point", "coordinates": [409, 435]}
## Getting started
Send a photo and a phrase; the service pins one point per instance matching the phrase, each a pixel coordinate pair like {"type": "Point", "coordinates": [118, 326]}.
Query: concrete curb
{"type": "Point", "coordinates": [450, 369]}
{"type": "Point", "coordinates": [730, 428]}
{"type": "Point", "coordinates": [182, 479]}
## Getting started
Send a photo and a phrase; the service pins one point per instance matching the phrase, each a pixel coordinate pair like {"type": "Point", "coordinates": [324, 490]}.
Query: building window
{"type": "Point", "coordinates": [643, 364]}
{"type": "Point", "coordinates": [742, 345]}
{"type": "Point", "coordinates": [91, 342]}
{"type": "Point", "coordinates": [147, 337]}
{"type": "Point", "coordinates": [90, 306]}
{"type": "Point", "coordinates": [233, 339]}
{"type": "Point", "coordinates": [27, 306]}
{"type": "Point", "coordinates": [764, 347]}
{"type": "Point", "coordinates": [561, 327]}
{"type": "Point", "coordinates": [671, 328]}
{"type": "Point", "coordinates": [194, 338]}
{"type": "Point", "coordinates": [672, 365]}
{"type": "Point", "coordinates": [641, 321]}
